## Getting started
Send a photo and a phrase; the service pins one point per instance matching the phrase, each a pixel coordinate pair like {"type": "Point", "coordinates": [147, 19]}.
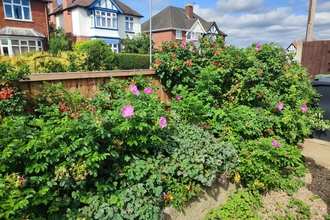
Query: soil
{"type": "Point", "coordinates": [316, 194]}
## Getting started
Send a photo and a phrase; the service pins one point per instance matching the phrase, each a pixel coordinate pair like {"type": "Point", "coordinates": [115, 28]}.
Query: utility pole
{"type": "Point", "coordinates": [310, 21]}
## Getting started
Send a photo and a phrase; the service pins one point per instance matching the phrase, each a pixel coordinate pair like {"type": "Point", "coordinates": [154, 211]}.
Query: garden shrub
{"type": "Point", "coordinates": [241, 205]}
{"type": "Point", "coordinates": [12, 100]}
{"type": "Point", "coordinates": [58, 40]}
{"type": "Point", "coordinates": [242, 95]}
{"type": "Point", "coordinates": [99, 54]}
{"type": "Point", "coordinates": [127, 61]}
{"type": "Point", "coordinates": [106, 157]}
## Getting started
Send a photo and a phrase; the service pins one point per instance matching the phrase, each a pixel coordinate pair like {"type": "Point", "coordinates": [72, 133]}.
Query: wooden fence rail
{"type": "Point", "coordinates": [87, 82]}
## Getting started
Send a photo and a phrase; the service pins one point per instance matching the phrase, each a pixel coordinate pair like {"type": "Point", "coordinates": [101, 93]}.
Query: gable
{"type": "Point", "coordinates": [197, 27]}
{"type": "Point", "coordinates": [105, 4]}
{"type": "Point", "coordinates": [213, 30]}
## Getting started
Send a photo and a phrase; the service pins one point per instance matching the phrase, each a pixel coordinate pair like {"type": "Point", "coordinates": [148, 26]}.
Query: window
{"type": "Point", "coordinates": [194, 35]}
{"type": "Point", "coordinates": [129, 23]}
{"type": "Point", "coordinates": [114, 48]}
{"type": "Point", "coordinates": [105, 19]}
{"type": "Point", "coordinates": [17, 9]}
{"type": "Point", "coordinates": [178, 34]}
{"type": "Point", "coordinates": [17, 47]}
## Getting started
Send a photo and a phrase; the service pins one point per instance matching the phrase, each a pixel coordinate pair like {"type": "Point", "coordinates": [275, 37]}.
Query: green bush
{"type": "Point", "coordinates": [117, 155]}
{"type": "Point", "coordinates": [12, 99]}
{"type": "Point", "coordinates": [99, 54]}
{"type": "Point", "coordinates": [58, 40]}
{"type": "Point", "coordinates": [242, 95]}
{"type": "Point", "coordinates": [127, 61]}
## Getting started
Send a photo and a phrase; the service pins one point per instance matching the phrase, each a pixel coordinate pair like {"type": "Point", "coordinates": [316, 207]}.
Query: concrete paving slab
{"type": "Point", "coordinates": [317, 149]}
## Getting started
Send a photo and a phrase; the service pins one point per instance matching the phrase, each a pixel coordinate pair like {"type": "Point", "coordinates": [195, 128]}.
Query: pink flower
{"type": "Point", "coordinates": [162, 122]}
{"type": "Point", "coordinates": [182, 46]}
{"type": "Point", "coordinates": [128, 210]}
{"type": "Point", "coordinates": [127, 111]}
{"type": "Point", "coordinates": [22, 179]}
{"type": "Point", "coordinates": [280, 106]}
{"type": "Point", "coordinates": [178, 97]}
{"type": "Point", "coordinates": [147, 90]}
{"type": "Point", "coordinates": [303, 108]}
{"type": "Point", "coordinates": [257, 47]}
{"type": "Point", "coordinates": [287, 58]}
{"type": "Point", "coordinates": [276, 144]}
{"type": "Point", "coordinates": [192, 41]}
{"type": "Point", "coordinates": [134, 90]}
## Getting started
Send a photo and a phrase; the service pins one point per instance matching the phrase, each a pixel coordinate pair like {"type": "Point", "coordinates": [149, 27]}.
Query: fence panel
{"type": "Point", "coordinates": [87, 82]}
{"type": "Point", "coordinates": [316, 57]}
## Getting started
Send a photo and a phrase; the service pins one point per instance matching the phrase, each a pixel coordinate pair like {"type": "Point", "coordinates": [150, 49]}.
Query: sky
{"type": "Point", "coordinates": [249, 21]}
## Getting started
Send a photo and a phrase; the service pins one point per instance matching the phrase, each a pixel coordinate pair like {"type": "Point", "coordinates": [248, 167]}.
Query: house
{"type": "Point", "coordinates": [23, 26]}
{"type": "Point", "coordinates": [293, 47]}
{"type": "Point", "coordinates": [179, 24]}
{"type": "Point", "coordinates": [110, 20]}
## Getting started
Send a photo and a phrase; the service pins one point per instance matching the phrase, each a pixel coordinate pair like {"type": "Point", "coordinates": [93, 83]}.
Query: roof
{"type": "Point", "coordinates": [17, 31]}
{"type": "Point", "coordinates": [295, 43]}
{"type": "Point", "coordinates": [175, 18]}
{"type": "Point", "coordinates": [86, 3]}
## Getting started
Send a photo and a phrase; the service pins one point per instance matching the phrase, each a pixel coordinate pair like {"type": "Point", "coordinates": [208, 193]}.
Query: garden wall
{"type": "Point", "coordinates": [87, 82]}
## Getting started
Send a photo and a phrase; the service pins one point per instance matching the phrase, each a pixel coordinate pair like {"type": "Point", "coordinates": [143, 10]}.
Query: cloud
{"type": "Point", "coordinates": [237, 6]}
{"type": "Point", "coordinates": [281, 25]}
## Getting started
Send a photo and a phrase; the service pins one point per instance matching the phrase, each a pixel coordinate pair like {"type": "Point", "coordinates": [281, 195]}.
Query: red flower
{"type": "Point", "coordinates": [188, 63]}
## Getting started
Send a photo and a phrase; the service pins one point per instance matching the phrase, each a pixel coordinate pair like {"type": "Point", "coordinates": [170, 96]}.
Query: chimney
{"type": "Point", "coordinates": [190, 11]}
{"type": "Point", "coordinates": [52, 6]}
{"type": "Point", "coordinates": [65, 3]}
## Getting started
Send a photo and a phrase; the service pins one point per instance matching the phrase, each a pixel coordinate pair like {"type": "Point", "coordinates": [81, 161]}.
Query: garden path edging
{"type": "Point", "coordinates": [210, 197]}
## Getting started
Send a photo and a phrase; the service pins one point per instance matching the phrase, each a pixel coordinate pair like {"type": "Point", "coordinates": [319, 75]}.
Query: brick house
{"type": "Point", "coordinates": [179, 24]}
{"type": "Point", "coordinates": [110, 20]}
{"type": "Point", "coordinates": [23, 26]}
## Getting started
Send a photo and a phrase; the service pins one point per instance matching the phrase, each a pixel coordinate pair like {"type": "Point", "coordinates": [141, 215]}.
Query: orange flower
{"type": "Point", "coordinates": [188, 63]}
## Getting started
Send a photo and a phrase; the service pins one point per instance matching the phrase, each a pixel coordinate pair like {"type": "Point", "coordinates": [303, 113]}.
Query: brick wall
{"type": "Point", "coordinates": [80, 38]}
{"type": "Point", "coordinates": [160, 37]}
{"type": "Point", "coordinates": [39, 18]}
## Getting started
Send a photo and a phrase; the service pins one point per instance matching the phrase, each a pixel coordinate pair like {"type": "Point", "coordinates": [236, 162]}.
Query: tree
{"type": "Point", "coordinates": [138, 44]}
{"type": "Point", "coordinates": [58, 40]}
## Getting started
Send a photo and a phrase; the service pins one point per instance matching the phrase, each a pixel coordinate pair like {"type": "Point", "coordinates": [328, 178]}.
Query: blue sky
{"type": "Point", "coordinates": [248, 21]}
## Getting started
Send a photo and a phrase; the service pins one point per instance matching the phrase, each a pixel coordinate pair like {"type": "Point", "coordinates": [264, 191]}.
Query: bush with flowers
{"type": "Point", "coordinates": [118, 155]}
{"type": "Point", "coordinates": [12, 100]}
{"type": "Point", "coordinates": [249, 97]}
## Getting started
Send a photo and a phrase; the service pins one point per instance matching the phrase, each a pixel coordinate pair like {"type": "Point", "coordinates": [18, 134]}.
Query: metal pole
{"type": "Point", "coordinates": [150, 35]}
{"type": "Point", "coordinates": [310, 21]}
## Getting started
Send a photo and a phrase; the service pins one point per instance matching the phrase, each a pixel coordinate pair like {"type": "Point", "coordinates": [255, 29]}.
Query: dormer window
{"type": "Point", "coordinates": [105, 19]}
{"type": "Point", "coordinates": [17, 9]}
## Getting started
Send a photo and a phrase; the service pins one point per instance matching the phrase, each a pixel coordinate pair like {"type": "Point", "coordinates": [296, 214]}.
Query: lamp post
{"type": "Point", "coordinates": [150, 35]}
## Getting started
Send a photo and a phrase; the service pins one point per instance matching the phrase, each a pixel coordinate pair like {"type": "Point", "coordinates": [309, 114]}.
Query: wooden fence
{"type": "Point", "coordinates": [316, 57]}
{"type": "Point", "coordinates": [87, 82]}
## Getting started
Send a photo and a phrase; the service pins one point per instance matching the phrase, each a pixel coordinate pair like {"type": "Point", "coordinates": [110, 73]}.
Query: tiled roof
{"type": "Point", "coordinates": [17, 31]}
{"type": "Point", "coordinates": [175, 18]}
{"type": "Point", "coordinates": [86, 3]}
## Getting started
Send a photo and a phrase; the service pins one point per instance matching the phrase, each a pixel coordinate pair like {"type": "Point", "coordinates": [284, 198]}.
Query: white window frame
{"type": "Point", "coordinates": [105, 19]}
{"type": "Point", "coordinates": [17, 46]}
{"type": "Point", "coordinates": [115, 48]}
{"type": "Point", "coordinates": [178, 34]}
{"type": "Point", "coordinates": [129, 23]}
{"type": "Point", "coordinates": [18, 4]}
{"type": "Point", "coordinates": [193, 35]}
